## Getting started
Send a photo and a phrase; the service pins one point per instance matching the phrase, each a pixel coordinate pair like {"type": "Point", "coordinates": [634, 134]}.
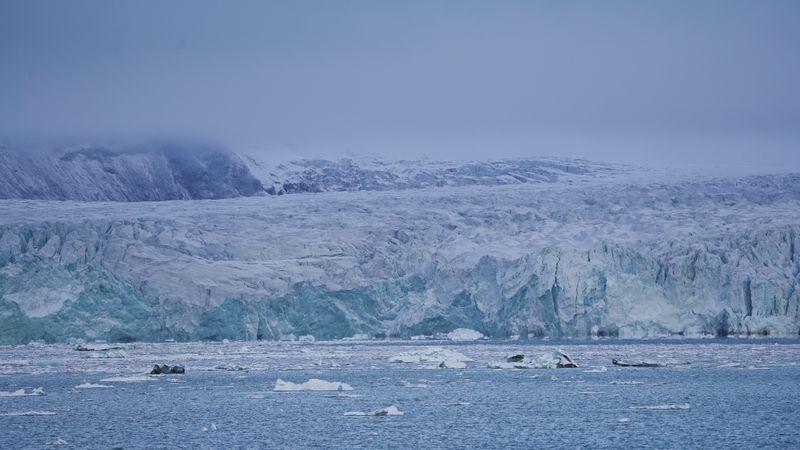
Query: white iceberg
{"type": "Point", "coordinates": [313, 384]}
{"type": "Point", "coordinates": [128, 379]}
{"type": "Point", "coordinates": [22, 393]}
{"type": "Point", "coordinates": [553, 360]}
{"type": "Point", "coordinates": [108, 354]}
{"type": "Point", "coordinates": [464, 334]}
{"type": "Point", "coordinates": [92, 386]}
{"type": "Point", "coordinates": [388, 411]}
{"type": "Point", "coordinates": [444, 358]}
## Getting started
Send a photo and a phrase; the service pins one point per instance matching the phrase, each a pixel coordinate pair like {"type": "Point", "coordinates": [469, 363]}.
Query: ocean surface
{"type": "Point", "coordinates": [731, 393]}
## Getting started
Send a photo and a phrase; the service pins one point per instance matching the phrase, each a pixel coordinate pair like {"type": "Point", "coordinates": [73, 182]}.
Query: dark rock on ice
{"type": "Point", "coordinates": [621, 363]}
{"type": "Point", "coordinates": [165, 369]}
{"type": "Point", "coordinates": [564, 361]}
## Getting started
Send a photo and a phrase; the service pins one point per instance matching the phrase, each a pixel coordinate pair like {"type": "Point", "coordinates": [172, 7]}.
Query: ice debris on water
{"type": "Point", "coordinates": [108, 354]}
{"type": "Point", "coordinates": [313, 384]}
{"type": "Point", "coordinates": [553, 360]}
{"type": "Point", "coordinates": [127, 379]}
{"type": "Point", "coordinates": [22, 393]}
{"type": "Point", "coordinates": [92, 386]}
{"type": "Point", "coordinates": [388, 411]}
{"type": "Point", "coordinates": [444, 358]}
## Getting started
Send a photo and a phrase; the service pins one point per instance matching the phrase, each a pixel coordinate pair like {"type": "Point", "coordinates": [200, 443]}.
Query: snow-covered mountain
{"type": "Point", "coordinates": [192, 172]}
{"type": "Point", "coordinates": [92, 173]}
{"type": "Point", "coordinates": [514, 247]}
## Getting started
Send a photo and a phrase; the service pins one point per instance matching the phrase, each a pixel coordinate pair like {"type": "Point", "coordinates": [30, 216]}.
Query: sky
{"type": "Point", "coordinates": [667, 82]}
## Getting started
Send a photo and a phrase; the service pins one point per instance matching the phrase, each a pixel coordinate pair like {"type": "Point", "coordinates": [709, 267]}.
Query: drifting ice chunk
{"type": "Point", "coordinates": [128, 379]}
{"type": "Point", "coordinates": [445, 358]}
{"type": "Point", "coordinates": [91, 386]}
{"type": "Point", "coordinates": [313, 384]}
{"type": "Point", "coordinates": [389, 411]}
{"type": "Point", "coordinates": [108, 354]}
{"type": "Point", "coordinates": [452, 364]}
{"type": "Point", "coordinates": [464, 334]}
{"type": "Point", "coordinates": [554, 360]}
{"type": "Point", "coordinates": [306, 338]}
{"type": "Point", "coordinates": [22, 393]}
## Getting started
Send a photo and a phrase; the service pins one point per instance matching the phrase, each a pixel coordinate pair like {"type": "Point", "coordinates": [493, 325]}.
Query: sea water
{"type": "Point", "coordinates": [710, 394]}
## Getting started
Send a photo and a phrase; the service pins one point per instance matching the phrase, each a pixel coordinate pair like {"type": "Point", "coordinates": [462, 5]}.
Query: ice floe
{"type": "Point", "coordinates": [313, 384]}
{"type": "Point", "coordinates": [128, 379]}
{"type": "Point", "coordinates": [553, 360]}
{"type": "Point", "coordinates": [444, 358]}
{"type": "Point", "coordinates": [388, 411]}
{"type": "Point", "coordinates": [92, 386]}
{"type": "Point", "coordinates": [22, 393]}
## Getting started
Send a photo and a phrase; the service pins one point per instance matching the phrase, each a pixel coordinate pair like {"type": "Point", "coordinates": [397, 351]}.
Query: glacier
{"type": "Point", "coordinates": [582, 249]}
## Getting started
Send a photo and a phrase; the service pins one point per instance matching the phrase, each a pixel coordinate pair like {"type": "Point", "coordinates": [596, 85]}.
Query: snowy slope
{"type": "Point", "coordinates": [603, 252]}
{"type": "Point", "coordinates": [190, 172]}
{"type": "Point", "coordinates": [92, 173]}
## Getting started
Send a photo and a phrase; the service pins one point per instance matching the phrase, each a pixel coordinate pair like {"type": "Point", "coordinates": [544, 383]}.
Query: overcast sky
{"type": "Point", "coordinates": [638, 81]}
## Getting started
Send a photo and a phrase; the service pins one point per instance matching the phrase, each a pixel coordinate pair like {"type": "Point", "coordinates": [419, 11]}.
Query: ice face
{"type": "Point", "coordinates": [622, 254]}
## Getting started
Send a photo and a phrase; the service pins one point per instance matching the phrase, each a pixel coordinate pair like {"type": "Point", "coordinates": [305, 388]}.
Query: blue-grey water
{"type": "Point", "coordinates": [733, 395]}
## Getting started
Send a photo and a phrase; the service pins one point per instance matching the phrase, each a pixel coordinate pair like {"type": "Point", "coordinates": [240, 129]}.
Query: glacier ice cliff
{"type": "Point", "coordinates": [620, 253]}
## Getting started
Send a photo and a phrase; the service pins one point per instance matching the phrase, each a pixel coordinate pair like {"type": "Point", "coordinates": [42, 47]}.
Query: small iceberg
{"type": "Point", "coordinates": [554, 360]}
{"type": "Point", "coordinates": [388, 411]}
{"type": "Point", "coordinates": [444, 358]}
{"type": "Point", "coordinates": [127, 379]}
{"type": "Point", "coordinates": [313, 384]}
{"type": "Point", "coordinates": [22, 393]}
{"type": "Point", "coordinates": [464, 334]}
{"type": "Point", "coordinates": [92, 386]}
{"type": "Point", "coordinates": [108, 354]}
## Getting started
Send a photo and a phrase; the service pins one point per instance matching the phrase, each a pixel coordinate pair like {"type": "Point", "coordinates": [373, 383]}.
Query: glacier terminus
{"type": "Point", "coordinates": [102, 244]}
